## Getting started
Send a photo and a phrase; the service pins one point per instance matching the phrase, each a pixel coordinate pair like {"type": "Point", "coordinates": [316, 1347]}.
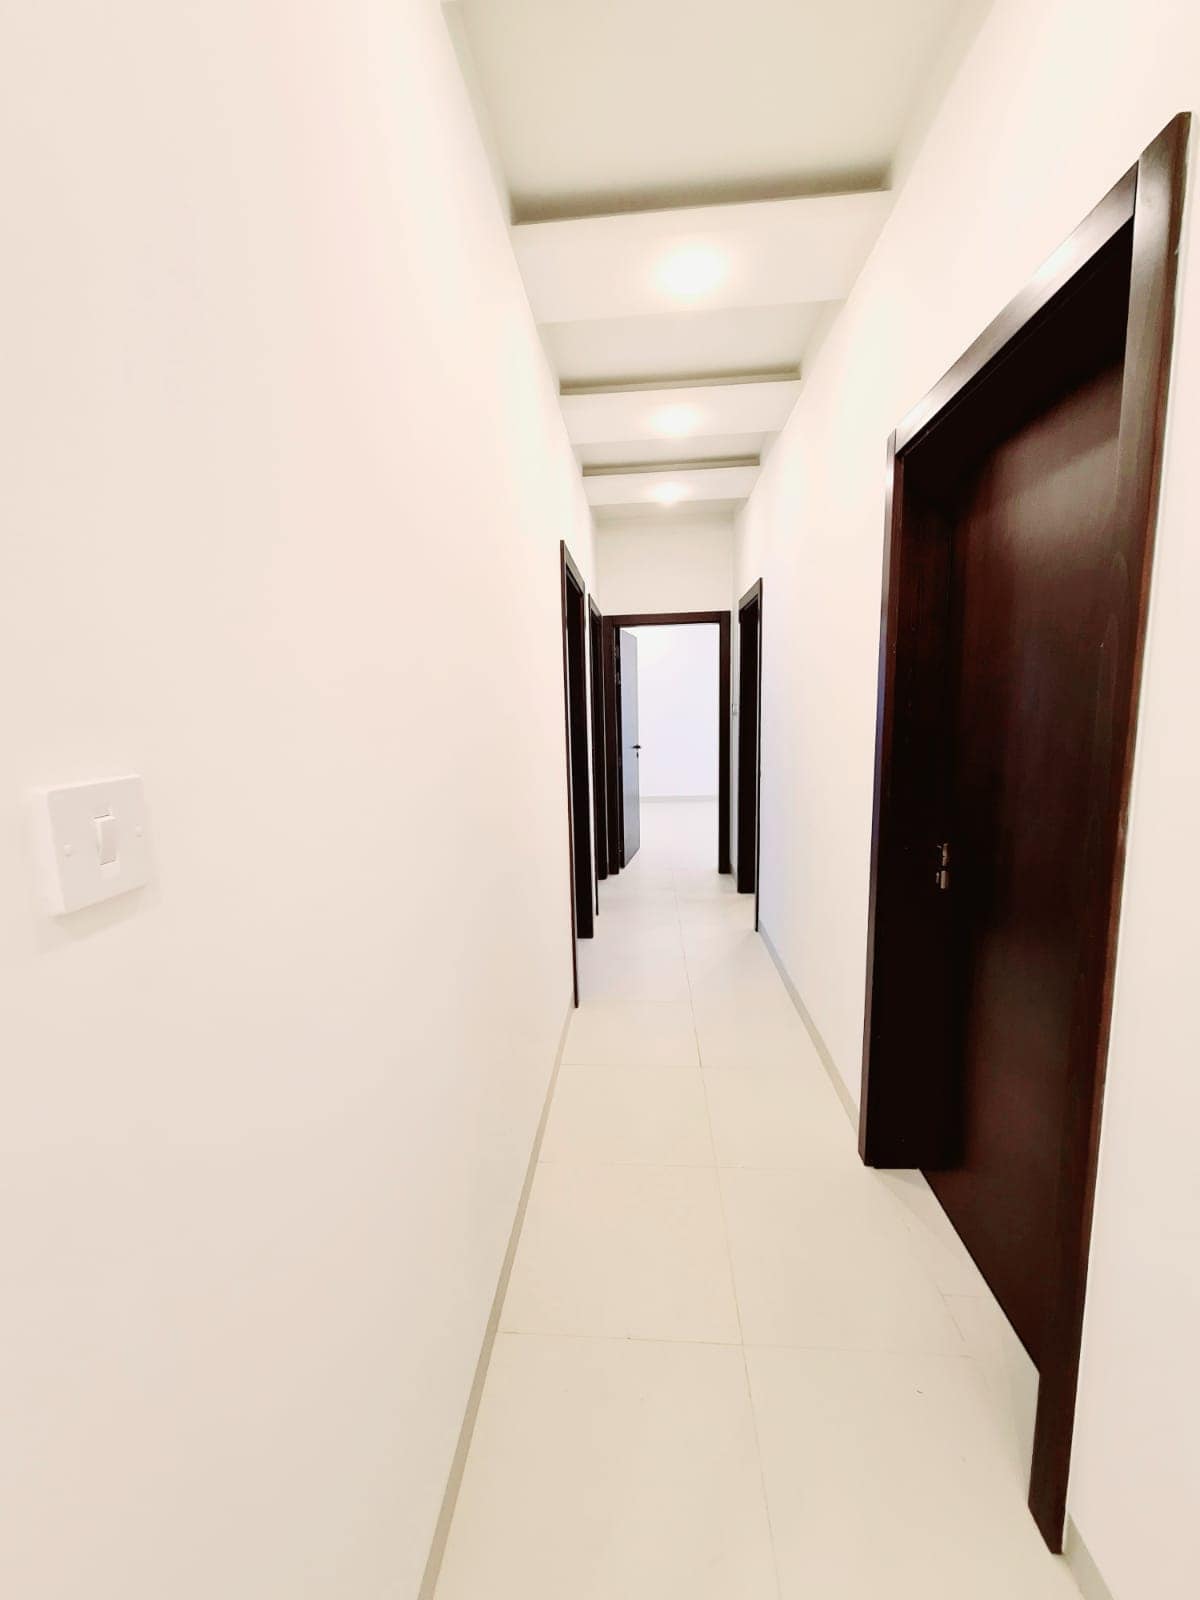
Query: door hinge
{"type": "Point", "coordinates": [942, 876]}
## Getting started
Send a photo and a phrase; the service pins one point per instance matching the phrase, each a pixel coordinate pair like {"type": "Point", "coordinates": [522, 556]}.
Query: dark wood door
{"type": "Point", "coordinates": [1033, 552]}
{"type": "Point", "coordinates": [575, 650]}
{"type": "Point", "coordinates": [627, 666]}
{"type": "Point", "coordinates": [1016, 578]}
{"type": "Point", "coordinates": [749, 699]}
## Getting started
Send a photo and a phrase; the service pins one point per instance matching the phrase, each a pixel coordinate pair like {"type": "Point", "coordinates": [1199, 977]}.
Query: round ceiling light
{"type": "Point", "coordinates": [674, 422]}
{"type": "Point", "coordinates": [669, 494]}
{"type": "Point", "coordinates": [692, 270]}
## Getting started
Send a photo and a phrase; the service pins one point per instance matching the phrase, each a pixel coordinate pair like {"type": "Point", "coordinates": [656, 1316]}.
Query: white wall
{"type": "Point", "coordinates": [665, 562]}
{"type": "Point", "coordinates": [1054, 101]}
{"type": "Point", "coordinates": [284, 480]}
{"type": "Point", "coordinates": [678, 697]}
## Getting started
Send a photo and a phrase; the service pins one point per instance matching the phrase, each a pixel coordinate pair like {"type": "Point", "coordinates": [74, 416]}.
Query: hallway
{"type": "Point", "coordinates": [733, 1362]}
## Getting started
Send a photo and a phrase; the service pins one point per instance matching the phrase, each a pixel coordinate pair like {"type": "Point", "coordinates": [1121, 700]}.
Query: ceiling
{"type": "Point", "coordinates": [694, 187]}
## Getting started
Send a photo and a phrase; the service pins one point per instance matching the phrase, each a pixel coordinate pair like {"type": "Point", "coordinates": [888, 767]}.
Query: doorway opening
{"type": "Point", "coordinates": [575, 699]}
{"type": "Point", "coordinates": [631, 764]}
{"type": "Point", "coordinates": [1022, 501]}
{"type": "Point", "coordinates": [749, 740]}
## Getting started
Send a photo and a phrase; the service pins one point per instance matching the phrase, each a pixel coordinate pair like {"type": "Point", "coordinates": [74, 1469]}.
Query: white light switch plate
{"type": "Point", "coordinates": [91, 841]}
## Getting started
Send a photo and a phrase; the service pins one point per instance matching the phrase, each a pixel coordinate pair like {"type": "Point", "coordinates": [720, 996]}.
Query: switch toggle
{"type": "Point", "coordinates": [106, 839]}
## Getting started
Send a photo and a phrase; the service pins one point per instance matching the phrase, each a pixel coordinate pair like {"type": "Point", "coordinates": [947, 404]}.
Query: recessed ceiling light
{"type": "Point", "coordinates": [669, 494]}
{"type": "Point", "coordinates": [675, 421]}
{"type": "Point", "coordinates": [692, 270]}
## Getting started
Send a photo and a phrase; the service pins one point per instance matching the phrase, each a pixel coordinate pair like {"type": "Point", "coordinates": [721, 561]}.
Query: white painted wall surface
{"type": "Point", "coordinates": [1054, 101]}
{"type": "Point", "coordinates": [669, 562]}
{"type": "Point", "coordinates": [284, 482]}
{"type": "Point", "coordinates": [678, 696]}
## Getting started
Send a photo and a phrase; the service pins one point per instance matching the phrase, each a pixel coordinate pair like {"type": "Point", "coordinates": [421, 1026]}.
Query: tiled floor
{"type": "Point", "coordinates": [733, 1363]}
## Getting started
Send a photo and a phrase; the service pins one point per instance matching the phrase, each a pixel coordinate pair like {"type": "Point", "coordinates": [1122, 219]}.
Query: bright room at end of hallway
{"type": "Point", "coordinates": [677, 712]}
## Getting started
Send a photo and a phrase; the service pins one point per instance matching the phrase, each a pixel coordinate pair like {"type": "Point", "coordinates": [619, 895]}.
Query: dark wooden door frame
{"type": "Point", "coordinates": [750, 779]}
{"type": "Point", "coordinates": [612, 745]}
{"type": "Point", "coordinates": [599, 795]}
{"type": "Point", "coordinates": [667, 619]}
{"type": "Point", "coordinates": [575, 719]}
{"type": "Point", "coordinates": [1148, 200]}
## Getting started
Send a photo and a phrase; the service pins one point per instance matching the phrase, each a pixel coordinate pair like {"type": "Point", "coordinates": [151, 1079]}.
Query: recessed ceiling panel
{"type": "Point", "coordinates": [634, 452]}
{"type": "Point", "coordinates": [652, 516]}
{"type": "Point", "coordinates": [708, 258]}
{"type": "Point", "coordinates": [698, 344]}
{"type": "Point", "coordinates": [637, 103]}
{"type": "Point", "coordinates": [678, 415]}
{"type": "Point", "coordinates": [670, 489]}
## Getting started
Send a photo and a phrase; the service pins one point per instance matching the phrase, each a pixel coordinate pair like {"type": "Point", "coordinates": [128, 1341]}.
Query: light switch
{"type": "Point", "coordinates": [91, 841]}
{"type": "Point", "coordinates": [106, 839]}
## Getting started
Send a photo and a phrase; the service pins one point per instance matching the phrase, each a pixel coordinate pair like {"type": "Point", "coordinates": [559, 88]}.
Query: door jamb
{"type": "Point", "coordinates": [753, 594]}
{"type": "Point", "coordinates": [596, 725]}
{"type": "Point", "coordinates": [573, 592]}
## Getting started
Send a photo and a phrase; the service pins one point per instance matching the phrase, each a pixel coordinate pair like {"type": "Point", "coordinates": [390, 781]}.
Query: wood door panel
{"type": "Point", "coordinates": [1016, 575]}
{"type": "Point", "coordinates": [1031, 573]}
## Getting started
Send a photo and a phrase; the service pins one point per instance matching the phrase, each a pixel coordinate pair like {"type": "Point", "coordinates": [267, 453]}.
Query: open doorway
{"type": "Point", "coordinates": [667, 712]}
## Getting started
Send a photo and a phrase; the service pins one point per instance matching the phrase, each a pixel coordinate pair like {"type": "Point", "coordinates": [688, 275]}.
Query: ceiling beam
{"type": "Point", "coordinates": [688, 413]}
{"type": "Point", "coordinates": [692, 485]}
{"type": "Point", "coordinates": [764, 253]}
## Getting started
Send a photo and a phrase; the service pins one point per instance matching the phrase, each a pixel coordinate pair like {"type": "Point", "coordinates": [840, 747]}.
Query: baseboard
{"type": "Point", "coordinates": [1083, 1566]}
{"type": "Point", "coordinates": [814, 1033]}
{"type": "Point", "coordinates": [441, 1531]}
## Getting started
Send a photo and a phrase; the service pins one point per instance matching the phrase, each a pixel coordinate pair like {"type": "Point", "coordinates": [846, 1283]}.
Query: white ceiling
{"type": "Point", "coordinates": [603, 105]}
{"type": "Point", "coordinates": [747, 146]}
{"type": "Point", "coordinates": [716, 446]}
{"type": "Point", "coordinates": [691, 486]}
{"type": "Point", "coordinates": [776, 252]}
{"type": "Point", "coordinates": [679, 414]}
{"type": "Point", "coordinates": [681, 344]}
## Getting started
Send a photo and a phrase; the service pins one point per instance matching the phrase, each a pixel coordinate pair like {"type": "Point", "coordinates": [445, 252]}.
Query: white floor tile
{"type": "Point", "coordinates": [648, 1116]}
{"type": "Point", "coordinates": [780, 1117]}
{"type": "Point", "coordinates": [611, 1470]}
{"type": "Point", "coordinates": [884, 1478]}
{"type": "Point", "coordinates": [639, 968]}
{"type": "Point", "coordinates": [1010, 1375]}
{"type": "Point", "coordinates": [625, 1252]}
{"type": "Point", "coordinates": [931, 1234]}
{"type": "Point", "coordinates": [637, 1033]}
{"type": "Point", "coordinates": [820, 1261]}
{"type": "Point", "coordinates": [726, 960]}
{"type": "Point", "coordinates": [694, 1145]}
{"type": "Point", "coordinates": [749, 1029]}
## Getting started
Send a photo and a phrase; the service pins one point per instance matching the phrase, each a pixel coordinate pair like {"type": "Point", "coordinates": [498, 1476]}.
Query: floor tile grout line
{"type": "Point", "coordinates": [762, 1474]}
{"type": "Point", "coordinates": [713, 1142]}
{"type": "Point", "coordinates": [715, 1166]}
{"type": "Point", "coordinates": [737, 1305]}
{"type": "Point", "coordinates": [881, 1352]}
